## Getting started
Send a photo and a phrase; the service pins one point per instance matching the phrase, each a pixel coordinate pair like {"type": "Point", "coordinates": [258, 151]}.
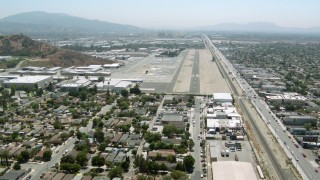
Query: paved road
{"type": "Point", "coordinates": [219, 57]}
{"type": "Point", "coordinates": [195, 77]}
{"type": "Point", "coordinates": [196, 132]}
{"type": "Point", "coordinates": [303, 165]}
{"type": "Point", "coordinates": [39, 168]}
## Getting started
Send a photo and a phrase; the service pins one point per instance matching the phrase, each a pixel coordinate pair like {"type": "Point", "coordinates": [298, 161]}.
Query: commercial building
{"type": "Point", "coordinates": [29, 82]}
{"type": "Point", "coordinates": [174, 119]}
{"type": "Point", "coordinates": [286, 99]}
{"type": "Point", "coordinates": [298, 120]}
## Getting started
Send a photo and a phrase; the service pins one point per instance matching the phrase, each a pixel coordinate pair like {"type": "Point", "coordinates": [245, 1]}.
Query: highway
{"type": "Point", "coordinates": [278, 171]}
{"type": "Point", "coordinates": [304, 167]}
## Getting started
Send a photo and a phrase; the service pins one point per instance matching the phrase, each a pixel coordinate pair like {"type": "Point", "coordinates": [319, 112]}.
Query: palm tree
{"type": "Point", "coordinates": [5, 155]}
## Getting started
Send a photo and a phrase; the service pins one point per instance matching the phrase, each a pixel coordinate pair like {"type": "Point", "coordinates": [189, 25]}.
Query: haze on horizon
{"type": "Point", "coordinates": [177, 13]}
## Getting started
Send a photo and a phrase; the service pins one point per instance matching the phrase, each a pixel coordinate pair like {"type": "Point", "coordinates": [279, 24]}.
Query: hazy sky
{"type": "Point", "coordinates": [177, 13]}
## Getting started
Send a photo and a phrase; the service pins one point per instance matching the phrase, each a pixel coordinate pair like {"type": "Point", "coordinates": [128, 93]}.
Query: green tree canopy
{"type": "Point", "coordinates": [98, 161]}
{"type": "Point", "coordinates": [47, 155]}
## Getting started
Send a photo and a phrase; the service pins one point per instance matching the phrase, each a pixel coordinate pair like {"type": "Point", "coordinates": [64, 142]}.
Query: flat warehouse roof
{"type": "Point", "coordinates": [222, 96]}
{"type": "Point", "coordinates": [233, 170]}
{"type": "Point", "coordinates": [27, 79]}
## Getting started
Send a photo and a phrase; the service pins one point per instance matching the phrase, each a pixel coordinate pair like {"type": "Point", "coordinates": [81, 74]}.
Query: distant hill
{"type": "Point", "coordinates": [42, 22]}
{"type": "Point", "coordinates": [45, 54]}
{"type": "Point", "coordinates": [256, 27]}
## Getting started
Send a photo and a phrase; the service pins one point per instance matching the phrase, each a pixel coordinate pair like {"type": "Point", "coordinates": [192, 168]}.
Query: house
{"type": "Point", "coordinates": [58, 176]}
{"type": "Point", "coordinates": [123, 139]}
{"type": "Point", "coordinates": [111, 157]}
{"type": "Point", "coordinates": [163, 152]}
{"type": "Point", "coordinates": [119, 158]}
{"type": "Point", "coordinates": [14, 174]}
{"type": "Point", "coordinates": [116, 138]}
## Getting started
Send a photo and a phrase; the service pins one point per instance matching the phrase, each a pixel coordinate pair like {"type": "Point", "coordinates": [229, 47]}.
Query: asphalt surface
{"type": "Point", "coordinates": [39, 168]}
{"type": "Point", "coordinates": [171, 85]}
{"type": "Point", "coordinates": [305, 168]}
{"type": "Point", "coordinates": [195, 77]}
{"type": "Point", "coordinates": [196, 132]}
{"type": "Point", "coordinates": [219, 57]}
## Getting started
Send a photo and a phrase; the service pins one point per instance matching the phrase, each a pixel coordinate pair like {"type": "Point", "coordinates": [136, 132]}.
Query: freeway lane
{"type": "Point", "coordinates": [303, 165]}
{"type": "Point", "coordinates": [215, 52]}
{"type": "Point", "coordinates": [194, 87]}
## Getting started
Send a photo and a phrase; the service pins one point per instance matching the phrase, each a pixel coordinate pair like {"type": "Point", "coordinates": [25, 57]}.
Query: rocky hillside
{"type": "Point", "coordinates": [20, 45]}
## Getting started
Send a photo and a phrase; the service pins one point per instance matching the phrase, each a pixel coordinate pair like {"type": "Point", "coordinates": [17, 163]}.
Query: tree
{"type": "Point", "coordinates": [50, 87]}
{"type": "Point", "coordinates": [98, 161]}
{"type": "Point", "coordinates": [39, 92]}
{"type": "Point", "coordinates": [24, 156]}
{"type": "Point", "coordinates": [68, 159]}
{"type": "Point", "coordinates": [124, 93]}
{"type": "Point", "coordinates": [83, 95]}
{"type": "Point", "coordinates": [5, 155]}
{"type": "Point", "coordinates": [102, 147]}
{"type": "Point", "coordinates": [169, 130]}
{"type": "Point", "coordinates": [99, 135]}
{"type": "Point", "coordinates": [35, 105]}
{"type": "Point", "coordinates": [101, 78]}
{"type": "Point", "coordinates": [64, 136]}
{"type": "Point", "coordinates": [135, 90]}
{"type": "Point", "coordinates": [115, 172]}
{"type": "Point", "coordinates": [16, 166]}
{"type": "Point", "coordinates": [188, 162]}
{"type": "Point", "coordinates": [82, 158]}
{"type": "Point", "coordinates": [190, 144]}
{"type": "Point", "coordinates": [79, 135]}
{"type": "Point", "coordinates": [171, 158]}
{"type": "Point", "coordinates": [180, 166]}
{"type": "Point", "coordinates": [176, 174]}
{"type": "Point", "coordinates": [47, 155]}
{"type": "Point", "coordinates": [308, 126]}
{"type": "Point", "coordinates": [125, 165]}
{"type": "Point", "coordinates": [134, 151]}
{"type": "Point", "coordinates": [69, 167]}
{"type": "Point", "coordinates": [13, 90]}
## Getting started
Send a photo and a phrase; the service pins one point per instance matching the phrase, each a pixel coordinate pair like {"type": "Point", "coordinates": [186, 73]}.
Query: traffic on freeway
{"type": "Point", "coordinates": [290, 146]}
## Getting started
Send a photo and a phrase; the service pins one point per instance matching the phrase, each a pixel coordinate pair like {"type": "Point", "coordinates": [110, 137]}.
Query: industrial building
{"type": "Point", "coordinates": [74, 84]}
{"type": "Point", "coordinates": [114, 65]}
{"type": "Point", "coordinates": [115, 85]}
{"type": "Point", "coordinates": [222, 97]}
{"type": "Point", "coordinates": [233, 170]}
{"type": "Point", "coordinates": [91, 70]}
{"type": "Point", "coordinates": [28, 82]}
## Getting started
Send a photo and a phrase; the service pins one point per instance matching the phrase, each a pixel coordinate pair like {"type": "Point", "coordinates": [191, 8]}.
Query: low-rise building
{"type": "Point", "coordinates": [299, 120]}
{"type": "Point", "coordinates": [28, 82]}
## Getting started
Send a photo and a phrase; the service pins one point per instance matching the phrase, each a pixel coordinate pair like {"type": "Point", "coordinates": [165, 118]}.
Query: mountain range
{"type": "Point", "coordinates": [43, 22]}
{"type": "Point", "coordinates": [38, 22]}
{"type": "Point", "coordinates": [256, 27]}
{"type": "Point", "coordinates": [43, 54]}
